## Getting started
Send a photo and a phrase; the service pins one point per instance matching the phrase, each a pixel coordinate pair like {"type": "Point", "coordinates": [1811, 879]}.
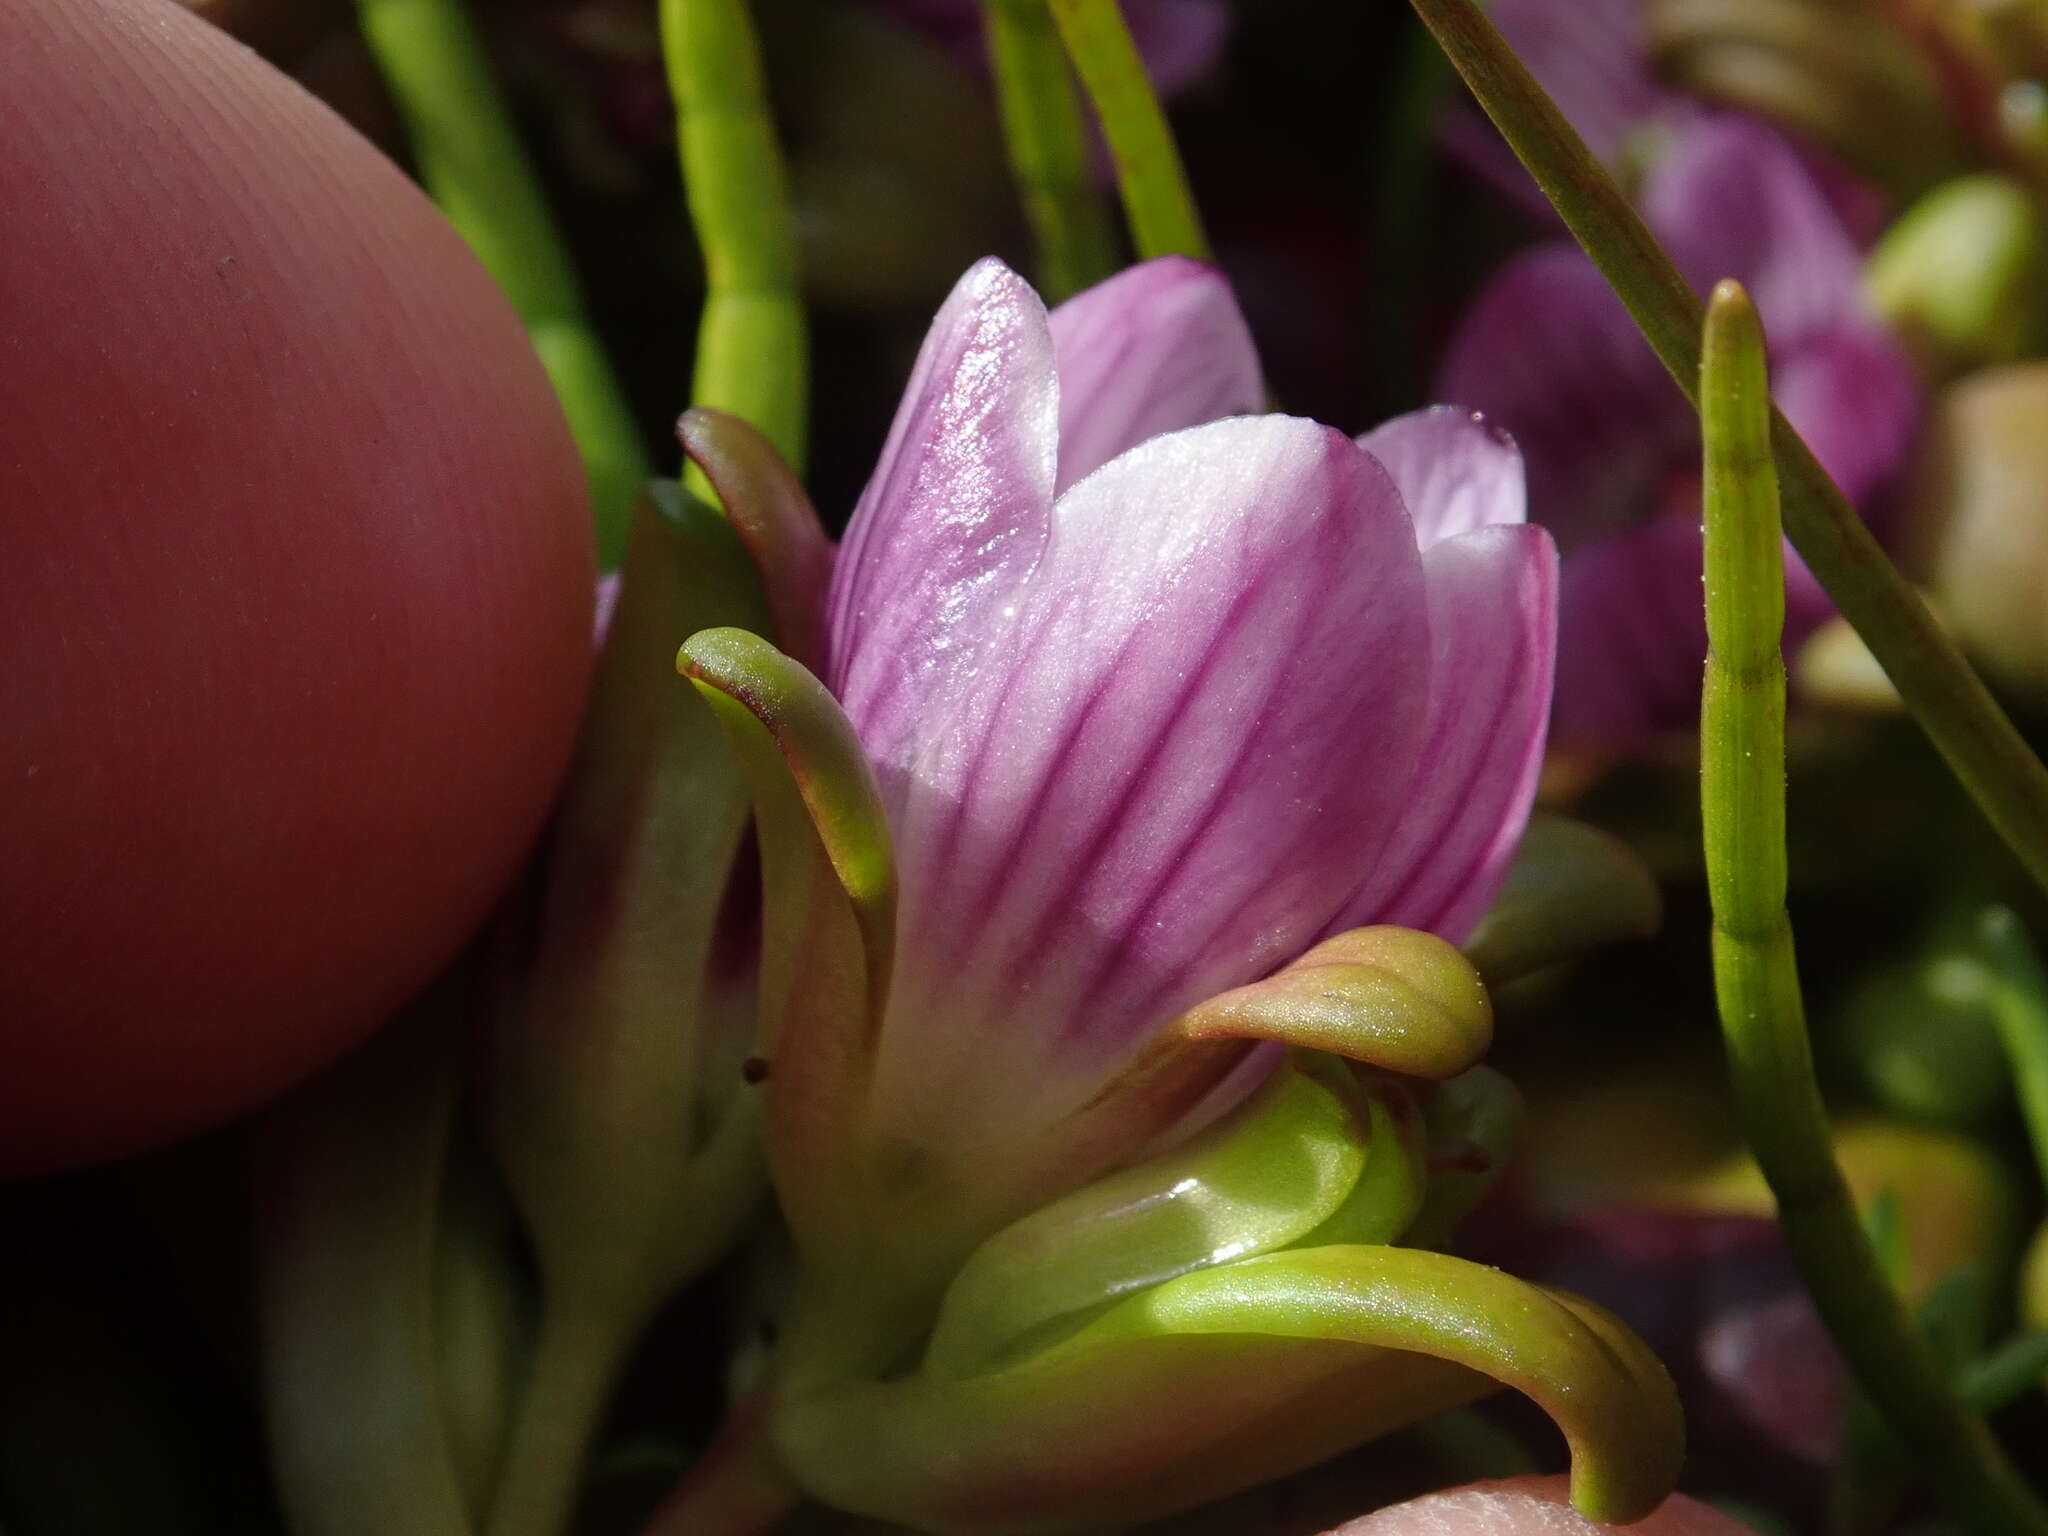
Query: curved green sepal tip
{"type": "Point", "coordinates": [824, 762]}
{"type": "Point", "coordinates": [1601, 1384]}
{"type": "Point", "coordinates": [1226, 1378]}
{"type": "Point", "coordinates": [1393, 998]}
{"type": "Point", "coordinates": [773, 516]}
{"type": "Point", "coordinates": [1571, 889]}
{"type": "Point", "coordinates": [1284, 1162]}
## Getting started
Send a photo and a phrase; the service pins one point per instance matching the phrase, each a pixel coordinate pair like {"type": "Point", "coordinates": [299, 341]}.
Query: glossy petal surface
{"type": "Point", "coordinates": [1455, 470]}
{"type": "Point", "coordinates": [1177, 766]}
{"type": "Point", "coordinates": [1158, 347]}
{"type": "Point", "coordinates": [958, 508]}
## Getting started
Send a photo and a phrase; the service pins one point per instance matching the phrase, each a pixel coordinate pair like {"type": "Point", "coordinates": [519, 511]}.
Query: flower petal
{"type": "Point", "coordinates": [1493, 624]}
{"type": "Point", "coordinates": [1592, 57]}
{"type": "Point", "coordinates": [1548, 353]}
{"type": "Point", "coordinates": [1455, 469]}
{"type": "Point", "coordinates": [1186, 745]}
{"type": "Point", "coordinates": [1158, 347]}
{"type": "Point", "coordinates": [1631, 635]}
{"type": "Point", "coordinates": [1730, 197]}
{"type": "Point", "coordinates": [1854, 395]}
{"type": "Point", "coordinates": [956, 513]}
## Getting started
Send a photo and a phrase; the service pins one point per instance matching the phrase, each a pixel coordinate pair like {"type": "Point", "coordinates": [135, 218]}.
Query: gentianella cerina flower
{"type": "Point", "coordinates": [1151, 759]}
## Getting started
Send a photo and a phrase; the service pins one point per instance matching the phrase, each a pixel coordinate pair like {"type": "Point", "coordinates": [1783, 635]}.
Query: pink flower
{"type": "Point", "coordinates": [1548, 352]}
{"type": "Point", "coordinates": [1135, 698]}
{"type": "Point", "coordinates": [1159, 693]}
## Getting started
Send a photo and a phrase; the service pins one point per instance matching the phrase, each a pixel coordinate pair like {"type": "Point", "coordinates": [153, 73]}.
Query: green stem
{"type": "Point", "coordinates": [1742, 792]}
{"type": "Point", "coordinates": [2019, 1009]}
{"type": "Point", "coordinates": [752, 350]}
{"type": "Point", "coordinates": [351, 1174]}
{"type": "Point", "coordinates": [1047, 134]}
{"type": "Point", "coordinates": [470, 159]}
{"type": "Point", "coordinates": [575, 1362]}
{"type": "Point", "coordinates": [1148, 167]}
{"type": "Point", "coordinates": [1951, 703]}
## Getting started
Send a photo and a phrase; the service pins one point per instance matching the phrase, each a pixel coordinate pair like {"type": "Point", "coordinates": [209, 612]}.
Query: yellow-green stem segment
{"type": "Point", "coordinates": [1149, 172]}
{"type": "Point", "coordinates": [1046, 131]}
{"type": "Point", "coordinates": [1756, 979]}
{"type": "Point", "coordinates": [470, 160]}
{"type": "Point", "coordinates": [752, 346]}
{"type": "Point", "coordinates": [1948, 699]}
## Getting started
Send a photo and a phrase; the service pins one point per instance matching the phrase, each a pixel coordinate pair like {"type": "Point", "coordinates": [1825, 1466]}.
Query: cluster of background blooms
{"type": "Point", "coordinates": [996, 1043]}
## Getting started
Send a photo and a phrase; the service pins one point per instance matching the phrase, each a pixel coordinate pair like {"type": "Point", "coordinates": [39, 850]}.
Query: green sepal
{"type": "Point", "coordinates": [608, 1090]}
{"type": "Point", "coordinates": [591, 1065]}
{"type": "Point", "coordinates": [1280, 1165]}
{"type": "Point", "coordinates": [1571, 889]}
{"type": "Point", "coordinates": [1394, 998]}
{"type": "Point", "coordinates": [485, 1311]}
{"type": "Point", "coordinates": [1228, 1377]}
{"type": "Point", "coordinates": [829, 879]}
{"type": "Point", "coordinates": [349, 1197]}
{"type": "Point", "coordinates": [771, 512]}
{"type": "Point", "coordinates": [1387, 1195]}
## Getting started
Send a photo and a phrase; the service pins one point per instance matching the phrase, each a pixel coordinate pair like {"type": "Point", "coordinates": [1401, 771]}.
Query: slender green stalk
{"type": "Point", "coordinates": [2019, 1009]}
{"type": "Point", "coordinates": [577, 1359]}
{"type": "Point", "coordinates": [1952, 705]}
{"type": "Point", "coordinates": [1742, 792]}
{"type": "Point", "coordinates": [752, 348]}
{"type": "Point", "coordinates": [1047, 134]}
{"type": "Point", "coordinates": [470, 159]}
{"type": "Point", "coordinates": [1148, 168]}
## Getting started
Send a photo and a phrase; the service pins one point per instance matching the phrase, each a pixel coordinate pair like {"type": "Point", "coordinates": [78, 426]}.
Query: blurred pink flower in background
{"type": "Point", "coordinates": [1548, 352]}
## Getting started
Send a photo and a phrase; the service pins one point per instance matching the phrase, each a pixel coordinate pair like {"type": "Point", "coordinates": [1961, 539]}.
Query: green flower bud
{"type": "Point", "coordinates": [1961, 274]}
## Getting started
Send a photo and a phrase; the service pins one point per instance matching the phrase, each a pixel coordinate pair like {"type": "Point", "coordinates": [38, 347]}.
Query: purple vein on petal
{"type": "Point", "coordinates": [955, 514]}
{"type": "Point", "coordinates": [1331, 552]}
{"type": "Point", "coordinates": [1493, 607]}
